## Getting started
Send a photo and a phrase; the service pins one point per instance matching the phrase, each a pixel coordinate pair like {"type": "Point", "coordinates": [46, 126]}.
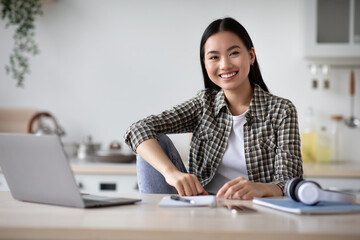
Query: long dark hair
{"type": "Point", "coordinates": [231, 25]}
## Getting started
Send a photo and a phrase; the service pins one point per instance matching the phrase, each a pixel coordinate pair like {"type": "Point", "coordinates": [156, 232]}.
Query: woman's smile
{"type": "Point", "coordinates": [228, 76]}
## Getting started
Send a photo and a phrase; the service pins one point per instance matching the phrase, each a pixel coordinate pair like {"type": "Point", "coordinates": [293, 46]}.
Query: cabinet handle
{"type": "Point", "coordinates": [352, 83]}
{"type": "Point", "coordinates": [108, 186]}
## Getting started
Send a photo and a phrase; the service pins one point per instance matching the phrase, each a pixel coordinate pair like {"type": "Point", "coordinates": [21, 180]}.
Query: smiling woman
{"type": "Point", "coordinates": [245, 140]}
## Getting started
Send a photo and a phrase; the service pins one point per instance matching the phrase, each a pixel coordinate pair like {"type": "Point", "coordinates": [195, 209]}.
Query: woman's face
{"type": "Point", "coordinates": [227, 60]}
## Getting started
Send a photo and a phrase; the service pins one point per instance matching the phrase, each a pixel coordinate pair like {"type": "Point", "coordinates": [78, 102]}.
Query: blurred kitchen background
{"type": "Point", "coordinates": [106, 64]}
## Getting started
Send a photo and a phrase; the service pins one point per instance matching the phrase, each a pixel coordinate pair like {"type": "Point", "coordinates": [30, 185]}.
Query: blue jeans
{"type": "Point", "coordinates": [149, 179]}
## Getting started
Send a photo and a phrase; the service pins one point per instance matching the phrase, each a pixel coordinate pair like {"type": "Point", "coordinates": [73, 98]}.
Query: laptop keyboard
{"type": "Point", "coordinates": [99, 199]}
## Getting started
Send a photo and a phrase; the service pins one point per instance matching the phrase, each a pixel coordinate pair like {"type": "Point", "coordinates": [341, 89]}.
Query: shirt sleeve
{"type": "Point", "coordinates": [179, 119]}
{"type": "Point", "coordinates": [288, 162]}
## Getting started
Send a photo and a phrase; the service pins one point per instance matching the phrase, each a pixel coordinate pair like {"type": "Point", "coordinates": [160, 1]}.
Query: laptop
{"type": "Point", "coordinates": [37, 169]}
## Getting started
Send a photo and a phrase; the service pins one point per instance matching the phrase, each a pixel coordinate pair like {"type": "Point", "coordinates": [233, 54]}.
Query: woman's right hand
{"type": "Point", "coordinates": [185, 184]}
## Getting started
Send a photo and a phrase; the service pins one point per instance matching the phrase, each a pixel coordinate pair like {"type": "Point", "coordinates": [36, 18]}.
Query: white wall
{"type": "Point", "coordinates": [106, 64]}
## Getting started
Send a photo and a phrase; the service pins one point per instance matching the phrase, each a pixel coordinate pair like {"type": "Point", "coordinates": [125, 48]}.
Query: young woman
{"type": "Point", "coordinates": [245, 141]}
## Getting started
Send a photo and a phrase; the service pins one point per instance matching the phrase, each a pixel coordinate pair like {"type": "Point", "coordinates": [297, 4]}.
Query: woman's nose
{"type": "Point", "coordinates": [225, 63]}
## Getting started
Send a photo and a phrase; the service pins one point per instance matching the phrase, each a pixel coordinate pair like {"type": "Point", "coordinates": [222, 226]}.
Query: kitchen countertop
{"type": "Point", "coordinates": [340, 170]}
{"type": "Point", "coordinates": [103, 168]}
{"type": "Point", "coordinates": [343, 170]}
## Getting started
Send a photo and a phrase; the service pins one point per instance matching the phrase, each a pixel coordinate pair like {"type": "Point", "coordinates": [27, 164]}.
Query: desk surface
{"type": "Point", "coordinates": [145, 220]}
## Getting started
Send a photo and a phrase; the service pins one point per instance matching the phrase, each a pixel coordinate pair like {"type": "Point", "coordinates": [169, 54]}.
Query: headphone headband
{"type": "Point", "coordinates": [334, 196]}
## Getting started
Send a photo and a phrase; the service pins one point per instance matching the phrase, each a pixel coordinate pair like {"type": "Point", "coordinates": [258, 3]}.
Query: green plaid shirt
{"type": "Point", "coordinates": [271, 135]}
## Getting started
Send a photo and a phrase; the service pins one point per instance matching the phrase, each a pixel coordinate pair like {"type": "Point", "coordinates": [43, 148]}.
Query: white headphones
{"type": "Point", "coordinates": [311, 193]}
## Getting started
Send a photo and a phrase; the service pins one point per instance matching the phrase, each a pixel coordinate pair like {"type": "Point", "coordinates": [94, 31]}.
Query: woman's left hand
{"type": "Point", "coordinates": [242, 188]}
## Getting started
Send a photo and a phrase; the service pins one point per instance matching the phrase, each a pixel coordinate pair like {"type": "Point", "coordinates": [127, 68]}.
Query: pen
{"type": "Point", "coordinates": [177, 198]}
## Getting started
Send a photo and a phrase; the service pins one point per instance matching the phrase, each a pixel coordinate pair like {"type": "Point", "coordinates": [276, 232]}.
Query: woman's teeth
{"type": "Point", "coordinates": [227, 75]}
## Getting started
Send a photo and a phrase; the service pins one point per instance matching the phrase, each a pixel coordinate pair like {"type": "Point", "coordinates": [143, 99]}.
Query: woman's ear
{"type": "Point", "coordinates": [252, 56]}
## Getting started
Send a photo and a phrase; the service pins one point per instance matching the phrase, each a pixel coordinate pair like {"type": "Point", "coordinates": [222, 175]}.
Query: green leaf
{"type": "Point", "coordinates": [22, 14]}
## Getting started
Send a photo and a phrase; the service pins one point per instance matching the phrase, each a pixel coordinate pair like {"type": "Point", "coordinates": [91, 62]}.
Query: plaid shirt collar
{"type": "Point", "coordinates": [257, 108]}
{"type": "Point", "coordinates": [220, 101]}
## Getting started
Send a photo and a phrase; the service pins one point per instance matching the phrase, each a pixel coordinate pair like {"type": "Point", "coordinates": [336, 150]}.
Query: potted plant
{"type": "Point", "coordinates": [21, 14]}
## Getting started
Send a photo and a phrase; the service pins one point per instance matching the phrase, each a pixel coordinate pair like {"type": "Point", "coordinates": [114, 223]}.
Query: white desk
{"type": "Point", "coordinates": [145, 220]}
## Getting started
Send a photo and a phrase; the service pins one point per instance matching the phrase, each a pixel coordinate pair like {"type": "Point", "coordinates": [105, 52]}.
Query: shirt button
{"type": "Point", "coordinates": [246, 127]}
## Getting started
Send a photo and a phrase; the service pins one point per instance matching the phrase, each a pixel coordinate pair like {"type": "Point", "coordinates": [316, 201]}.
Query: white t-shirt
{"type": "Point", "coordinates": [233, 163]}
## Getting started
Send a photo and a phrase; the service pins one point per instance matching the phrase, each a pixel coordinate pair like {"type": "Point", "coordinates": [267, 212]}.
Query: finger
{"type": "Point", "coordinates": [225, 188]}
{"type": "Point", "coordinates": [247, 194]}
{"type": "Point", "coordinates": [199, 189]}
{"type": "Point", "coordinates": [220, 193]}
{"type": "Point", "coordinates": [182, 185]}
{"type": "Point", "coordinates": [193, 184]}
{"type": "Point", "coordinates": [189, 184]}
{"type": "Point", "coordinates": [187, 190]}
{"type": "Point", "coordinates": [179, 188]}
{"type": "Point", "coordinates": [238, 184]}
{"type": "Point", "coordinates": [203, 192]}
{"type": "Point", "coordinates": [240, 193]}
{"type": "Point", "coordinates": [232, 190]}
{"type": "Point", "coordinates": [222, 190]}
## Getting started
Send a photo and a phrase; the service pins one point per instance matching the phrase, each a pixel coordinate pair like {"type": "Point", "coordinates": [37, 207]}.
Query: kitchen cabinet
{"type": "Point", "coordinates": [99, 178]}
{"type": "Point", "coordinates": [98, 183]}
{"type": "Point", "coordinates": [105, 177]}
{"type": "Point", "coordinates": [332, 31]}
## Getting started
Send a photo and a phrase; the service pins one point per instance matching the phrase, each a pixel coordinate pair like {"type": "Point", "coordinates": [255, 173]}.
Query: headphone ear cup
{"type": "Point", "coordinates": [296, 190]}
{"type": "Point", "coordinates": [315, 183]}
{"type": "Point", "coordinates": [309, 192]}
{"type": "Point", "coordinates": [290, 188]}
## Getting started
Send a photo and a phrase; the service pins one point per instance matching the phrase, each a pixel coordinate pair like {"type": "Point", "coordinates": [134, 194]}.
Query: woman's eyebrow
{"type": "Point", "coordinates": [212, 52]}
{"type": "Point", "coordinates": [229, 49]}
{"type": "Point", "coordinates": [233, 47]}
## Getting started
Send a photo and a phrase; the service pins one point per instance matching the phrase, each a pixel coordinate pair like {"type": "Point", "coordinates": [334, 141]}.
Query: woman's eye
{"type": "Point", "coordinates": [213, 57]}
{"type": "Point", "coordinates": [234, 53]}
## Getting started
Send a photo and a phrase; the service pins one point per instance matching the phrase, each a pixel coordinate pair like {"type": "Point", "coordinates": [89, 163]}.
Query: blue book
{"type": "Point", "coordinates": [288, 205]}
